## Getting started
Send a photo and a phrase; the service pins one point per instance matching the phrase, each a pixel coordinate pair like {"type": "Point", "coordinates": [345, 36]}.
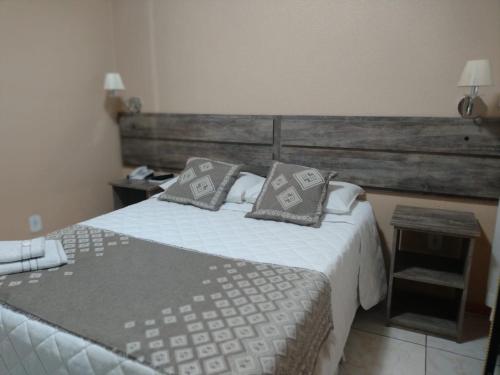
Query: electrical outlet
{"type": "Point", "coordinates": [35, 222]}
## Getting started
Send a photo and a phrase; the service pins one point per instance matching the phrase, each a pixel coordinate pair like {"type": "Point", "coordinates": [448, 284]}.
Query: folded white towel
{"type": "Point", "coordinates": [54, 257]}
{"type": "Point", "coordinates": [14, 251]}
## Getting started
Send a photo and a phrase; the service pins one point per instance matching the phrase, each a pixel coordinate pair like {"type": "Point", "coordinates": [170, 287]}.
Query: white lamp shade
{"type": "Point", "coordinates": [476, 73]}
{"type": "Point", "coordinates": [113, 82]}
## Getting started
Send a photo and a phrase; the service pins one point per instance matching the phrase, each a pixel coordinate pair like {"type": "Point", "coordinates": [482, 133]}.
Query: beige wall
{"type": "Point", "coordinates": [58, 146]}
{"type": "Point", "coordinates": [337, 57]}
{"type": "Point", "coordinates": [305, 57]}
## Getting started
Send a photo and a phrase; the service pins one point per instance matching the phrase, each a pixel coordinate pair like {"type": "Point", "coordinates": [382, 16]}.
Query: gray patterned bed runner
{"type": "Point", "coordinates": [179, 311]}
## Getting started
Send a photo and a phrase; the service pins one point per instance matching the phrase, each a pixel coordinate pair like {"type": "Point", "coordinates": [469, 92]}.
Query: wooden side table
{"type": "Point", "coordinates": [127, 192]}
{"type": "Point", "coordinates": [430, 266]}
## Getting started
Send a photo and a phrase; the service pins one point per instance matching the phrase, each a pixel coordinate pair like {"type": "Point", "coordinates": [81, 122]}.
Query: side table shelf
{"type": "Point", "coordinates": [430, 266]}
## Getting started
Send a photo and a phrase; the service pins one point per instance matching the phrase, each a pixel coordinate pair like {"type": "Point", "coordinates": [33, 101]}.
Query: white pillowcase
{"type": "Point", "coordinates": [243, 183]}
{"type": "Point", "coordinates": [237, 192]}
{"type": "Point", "coordinates": [169, 183]}
{"type": "Point", "coordinates": [341, 196]}
{"type": "Point", "coordinates": [252, 193]}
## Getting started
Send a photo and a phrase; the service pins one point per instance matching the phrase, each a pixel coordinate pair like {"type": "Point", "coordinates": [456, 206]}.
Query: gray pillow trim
{"type": "Point", "coordinates": [278, 215]}
{"type": "Point", "coordinates": [224, 187]}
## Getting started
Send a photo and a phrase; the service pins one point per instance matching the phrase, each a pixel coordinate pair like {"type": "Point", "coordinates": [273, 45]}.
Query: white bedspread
{"type": "Point", "coordinates": [346, 248]}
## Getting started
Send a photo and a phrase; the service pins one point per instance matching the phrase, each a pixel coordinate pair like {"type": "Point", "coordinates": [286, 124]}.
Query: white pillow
{"type": "Point", "coordinates": [169, 183]}
{"type": "Point", "coordinates": [243, 183]}
{"type": "Point", "coordinates": [252, 193]}
{"type": "Point", "coordinates": [341, 196]}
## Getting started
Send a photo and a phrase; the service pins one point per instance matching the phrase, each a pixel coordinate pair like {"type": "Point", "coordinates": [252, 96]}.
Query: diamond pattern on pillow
{"type": "Point", "coordinates": [309, 178]}
{"type": "Point", "coordinates": [289, 198]}
{"type": "Point", "coordinates": [292, 193]}
{"type": "Point", "coordinates": [186, 176]}
{"type": "Point", "coordinates": [279, 182]}
{"type": "Point", "coordinates": [205, 167]}
{"type": "Point", "coordinates": [204, 183]}
{"type": "Point", "coordinates": [202, 186]}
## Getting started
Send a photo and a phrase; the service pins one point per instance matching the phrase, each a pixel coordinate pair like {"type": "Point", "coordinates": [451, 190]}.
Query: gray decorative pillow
{"type": "Point", "coordinates": [203, 183]}
{"type": "Point", "coordinates": [292, 193]}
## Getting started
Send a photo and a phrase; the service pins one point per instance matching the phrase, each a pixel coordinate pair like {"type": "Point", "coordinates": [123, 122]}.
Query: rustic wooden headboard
{"type": "Point", "coordinates": [449, 156]}
{"type": "Point", "coordinates": [166, 141]}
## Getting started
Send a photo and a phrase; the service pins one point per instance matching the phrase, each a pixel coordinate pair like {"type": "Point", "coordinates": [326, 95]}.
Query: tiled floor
{"type": "Point", "coordinates": [375, 349]}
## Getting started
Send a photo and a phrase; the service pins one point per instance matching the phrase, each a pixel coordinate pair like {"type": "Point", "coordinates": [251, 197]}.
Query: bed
{"type": "Point", "coordinates": [56, 322]}
{"type": "Point", "coordinates": [346, 249]}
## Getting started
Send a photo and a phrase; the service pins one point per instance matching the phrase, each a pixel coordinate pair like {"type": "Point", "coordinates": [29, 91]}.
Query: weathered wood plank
{"type": "Point", "coordinates": [440, 221]}
{"type": "Point", "coordinates": [208, 128]}
{"type": "Point", "coordinates": [276, 137]}
{"type": "Point", "coordinates": [448, 156]}
{"type": "Point", "coordinates": [433, 277]}
{"type": "Point", "coordinates": [422, 173]}
{"type": "Point", "coordinates": [174, 154]}
{"type": "Point", "coordinates": [418, 134]}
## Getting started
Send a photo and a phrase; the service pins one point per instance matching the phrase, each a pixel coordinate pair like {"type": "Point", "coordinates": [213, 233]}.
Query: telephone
{"type": "Point", "coordinates": [140, 173]}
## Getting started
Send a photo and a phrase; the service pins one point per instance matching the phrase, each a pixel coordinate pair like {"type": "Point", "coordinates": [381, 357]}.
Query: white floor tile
{"type": "Point", "coordinates": [370, 354]}
{"type": "Point", "coordinates": [475, 339]}
{"type": "Point", "coordinates": [440, 362]}
{"type": "Point", "coordinates": [373, 321]}
{"type": "Point", "coordinates": [375, 349]}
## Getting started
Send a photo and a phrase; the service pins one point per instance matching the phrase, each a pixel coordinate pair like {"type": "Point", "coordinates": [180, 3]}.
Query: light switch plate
{"type": "Point", "coordinates": [35, 223]}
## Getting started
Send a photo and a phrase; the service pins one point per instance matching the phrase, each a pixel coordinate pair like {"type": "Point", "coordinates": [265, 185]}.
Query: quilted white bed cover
{"type": "Point", "coordinates": [346, 248]}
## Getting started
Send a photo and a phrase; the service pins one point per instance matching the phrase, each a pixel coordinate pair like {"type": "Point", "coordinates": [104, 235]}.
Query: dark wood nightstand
{"type": "Point", "coordinates": [430, 265]}
{"type": "Point", "coordinates": [127, 192]}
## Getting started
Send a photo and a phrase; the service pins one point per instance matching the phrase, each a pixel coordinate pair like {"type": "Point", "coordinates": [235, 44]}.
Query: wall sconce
{"type": "Point", "coordinates": [476, 73]}
{"type": "Point", "coordinates": [113, 83]}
